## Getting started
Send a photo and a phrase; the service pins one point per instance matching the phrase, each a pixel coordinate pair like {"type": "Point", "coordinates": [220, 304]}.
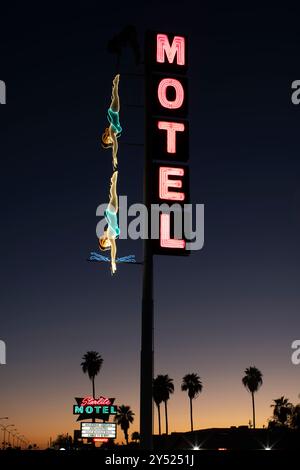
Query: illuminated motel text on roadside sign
{"type": "Point", "coordinates": [167, 134]}
{"type": "Point", "coordinates": [89, 407]}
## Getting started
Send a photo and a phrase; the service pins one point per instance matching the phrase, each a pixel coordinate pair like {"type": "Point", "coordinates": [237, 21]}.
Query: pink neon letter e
{"type": "Point", "coordinates": [165, 183]}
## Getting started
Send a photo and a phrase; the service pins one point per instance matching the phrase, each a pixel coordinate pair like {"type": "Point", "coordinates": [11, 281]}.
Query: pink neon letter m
{"type": "Point", "coordinates": [163, 48]}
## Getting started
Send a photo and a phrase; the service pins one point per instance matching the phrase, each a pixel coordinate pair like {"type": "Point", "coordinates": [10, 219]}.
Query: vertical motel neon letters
{"type": "Point", "coordinates": [165, 240]}
{"type": "Point", "coordinates": [165, 183]}
{"type": "Point", "coordinates": [167, 134]}
{"type": "Point", "coordinates": [178, 49]}
{"type": "Point", "coordinates": [163, 48]}
{"type": "Point", "coordinates": [162, 93]}
{"type": "Point", "coordinates": [171, 128]}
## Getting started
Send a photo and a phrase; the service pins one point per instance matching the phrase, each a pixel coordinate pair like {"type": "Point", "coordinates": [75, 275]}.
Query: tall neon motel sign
{"type": "Point", "coordinates": [167, 131]}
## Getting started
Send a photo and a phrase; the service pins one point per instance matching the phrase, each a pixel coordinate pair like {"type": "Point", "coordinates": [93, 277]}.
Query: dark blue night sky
{"type": "Point", "coordinates": [231, 305]}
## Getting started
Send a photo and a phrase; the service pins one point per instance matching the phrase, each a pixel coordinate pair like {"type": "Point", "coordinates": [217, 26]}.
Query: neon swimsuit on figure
{"type": "Point", "coordinates": [109, 139]}
{"type": "Point", "coordinates": [108, 240]}
{"type": "Point", "coordinates": [113, 132]}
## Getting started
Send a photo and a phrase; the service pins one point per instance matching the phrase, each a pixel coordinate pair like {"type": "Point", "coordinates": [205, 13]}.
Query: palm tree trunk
{"type": "Point", "coordinates": [166, 416]}
{"type": "Point", "coordinates": [126, 436]}
{"type": "Point", "coordinates": [191, 411]}
{"type": "Point", "coordinates": [253, 409]}
{"type": "Point", "coordinates": [159, 422]}
{"type": "Point", "coordinates": [93, 382]}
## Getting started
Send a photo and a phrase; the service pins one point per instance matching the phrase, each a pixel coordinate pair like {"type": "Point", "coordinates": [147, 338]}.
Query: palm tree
{"type": "Point", "coordinates": [283, 409]}
{"type": "Point", "coordinates": [252, 381]}
{"type": "Point", "coordinates": [295, 418]}
{"type": "Point", "coordinates": [158, 396]}
{"type": "Point", "coordinates": [124, 417]}
{"type": "Point", "coordinates": [92, 362]}
{"type": "Point", "coordinates": [193, 385]}
{"type": "Point", "coordinates": [165, 387]}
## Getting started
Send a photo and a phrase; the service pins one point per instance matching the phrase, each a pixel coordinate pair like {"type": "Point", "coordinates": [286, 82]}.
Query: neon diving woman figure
{"type": "Point", "coordinates": [113, 132]}
{"type": "Point", "coordinates": [108, 240]}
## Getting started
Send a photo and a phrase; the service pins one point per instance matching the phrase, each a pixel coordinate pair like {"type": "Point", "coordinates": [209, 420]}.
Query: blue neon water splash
{"type": "Point", "coordinates": [124, 259]}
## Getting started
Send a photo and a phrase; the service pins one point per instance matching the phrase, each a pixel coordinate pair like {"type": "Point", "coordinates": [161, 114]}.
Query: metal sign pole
{"type": "Point", "coordinates": [147, 353]}
{"type": "Point", "coordinates": [146, 404]}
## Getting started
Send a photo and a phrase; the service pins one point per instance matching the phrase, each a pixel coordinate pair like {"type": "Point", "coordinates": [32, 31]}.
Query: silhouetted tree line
{"type": "Point", "coordinates": [285, 414]}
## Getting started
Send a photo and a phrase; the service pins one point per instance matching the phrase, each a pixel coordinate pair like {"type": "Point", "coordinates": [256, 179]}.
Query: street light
{"type": "Point", "coordinates": [4, 429]}
{"type": "Point", "coordinates": [17, 439]}
{"type": "Point", "coordinates": [9, 433]}
{"type": "Point", "coordinates": [5, 417]}
{"type": "Point", "coordinates": [13, 436]}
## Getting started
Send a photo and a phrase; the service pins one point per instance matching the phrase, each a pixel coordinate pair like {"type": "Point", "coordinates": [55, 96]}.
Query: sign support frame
{"type": "Point", "coordinates": [155, 69]}
{"type": "Point", "coordinates": [147, 333]}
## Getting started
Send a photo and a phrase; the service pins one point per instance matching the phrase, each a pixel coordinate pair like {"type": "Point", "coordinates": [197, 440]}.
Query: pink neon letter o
{"type": "Point", "coordinates": [162, 93]}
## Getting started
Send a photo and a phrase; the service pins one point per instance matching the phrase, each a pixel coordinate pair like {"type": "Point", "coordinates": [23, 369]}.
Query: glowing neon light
{"type": "Point", "coordinates": [171, 128]}
{"type": "Point", "coordinates": [113, 131]}
{"type": "Point", "coordinates": [94, 256]}
{"type": "Point", "coordinates": [99, 431]}
{"type": "Point", "coordinates": [163, 48]}
{"type": "Point", "coordinates": [108, 240]}
{"type": "Point", "coordinates": [98, 409]}
{"type": "Point", "coordinates": [164, 84]}
{"type": "Point", "coordinates": [165, 183]}
{"type": "Point", "coordinates": [165, 240]}
{"type": "Point", "coordinates": [93, 401]}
